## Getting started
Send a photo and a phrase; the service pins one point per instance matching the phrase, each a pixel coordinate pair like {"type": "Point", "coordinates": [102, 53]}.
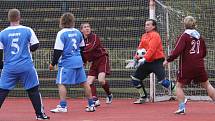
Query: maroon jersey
{"type": "Point", "coordinates": [192, 51]}
{"type": "Point", "coordinates": [93, 49]}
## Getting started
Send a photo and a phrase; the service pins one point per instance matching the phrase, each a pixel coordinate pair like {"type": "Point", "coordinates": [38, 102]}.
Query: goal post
{"type": "Point", "coordinates": [157, 93]}
{"type": "Point", "coordinates": [169, 16]}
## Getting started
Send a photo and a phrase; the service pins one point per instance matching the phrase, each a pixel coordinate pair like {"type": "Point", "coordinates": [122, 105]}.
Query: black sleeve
{"type": "Point", "coordinates": [56, 56]}
{"type": "Point", "coordinates": [34, 47]}
{"type": "Point", "coordinates": [82, 54]}
{"type": "Point", "coordinates": [1, 59]}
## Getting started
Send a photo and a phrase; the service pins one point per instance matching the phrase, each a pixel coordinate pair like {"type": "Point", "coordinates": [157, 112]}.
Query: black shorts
{"type": "Point", "coordinates": [155, 67]}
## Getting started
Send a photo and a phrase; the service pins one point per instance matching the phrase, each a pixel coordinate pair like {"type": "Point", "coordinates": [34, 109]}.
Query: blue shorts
{"type": "Point", "coordinates": [71, 75]}
{"type": "Point", "coordinates": [28, 78]}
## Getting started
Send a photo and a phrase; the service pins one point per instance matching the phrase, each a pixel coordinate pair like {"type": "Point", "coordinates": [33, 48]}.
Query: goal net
{"type": "Point", "coordinates": [119, 24]}
{"type": "Point", "coordinates": [170, 15]}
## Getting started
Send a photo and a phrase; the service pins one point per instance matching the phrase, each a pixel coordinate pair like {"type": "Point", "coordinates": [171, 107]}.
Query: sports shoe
{"type": "Point", "coordinates": [109, 99]}
{"type": "Point", "coordinates": [140, 100]}
{"type": "Point", "coordinates": [97, 103]}
{"type": "Point", "coordinates": [59, 109]}
{"type": "Point", "coordinates": [180, 111]}
{"type": "Point", "coordinates": [42, 117]}
{"type": "Point", "coordinates": [91, 108]}
{"type": "Point", "coordinates": [181, 108]}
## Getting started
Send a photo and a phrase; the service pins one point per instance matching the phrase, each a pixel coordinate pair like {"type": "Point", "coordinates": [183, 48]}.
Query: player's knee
{"type": "Point", "coordinates": [102, 82]}
{"type": "Point", "coordinates": [136, 82]}
{"type": "Point", "coordinates": [205, 84]}
{"type": "Point", "coordinates": [90, 81]}
{"type": "Point", "coordinates": [165, 83]}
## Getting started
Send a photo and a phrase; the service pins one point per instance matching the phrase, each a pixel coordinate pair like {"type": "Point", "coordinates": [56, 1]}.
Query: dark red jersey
{"type": "Point", "coordinates": [192, 50]}
{"type": "Point", "coordinates": [93, 48]}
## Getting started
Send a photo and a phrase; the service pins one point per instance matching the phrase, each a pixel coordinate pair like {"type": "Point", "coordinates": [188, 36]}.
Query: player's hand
{"type": "Point", "coordinates": [141, 62]}
{"type": "Point", "coordinates": [165, 63]}
{"type": "Point", "coordinates": [51, 67]}
{"type": "Point", "coordinates": [131, 63]}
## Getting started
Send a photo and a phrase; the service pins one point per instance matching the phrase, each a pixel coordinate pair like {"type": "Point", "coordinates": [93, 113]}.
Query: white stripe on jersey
{"type": "Point", "coordinates": [34, 39]}
{"type": "Point", "coordinates": [1, 45]}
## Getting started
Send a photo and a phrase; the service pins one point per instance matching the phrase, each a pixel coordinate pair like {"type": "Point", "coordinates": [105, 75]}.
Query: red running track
{"type": "Point", "coordinates": [20, 109]}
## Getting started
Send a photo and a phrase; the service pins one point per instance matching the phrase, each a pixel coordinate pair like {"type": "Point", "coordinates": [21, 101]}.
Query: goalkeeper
{"type": "Point", "coordinates": [152, 61]}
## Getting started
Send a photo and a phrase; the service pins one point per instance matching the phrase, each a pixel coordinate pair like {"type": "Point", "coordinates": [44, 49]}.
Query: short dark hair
{"type": "Point", "coordinates": [67, 20]}
{"type": "Point", "coordinates": [154, 23]}
{"type": "Point", "coordinates": [14, 15]}
{"type": "Point", "coordinates": [82, 24]}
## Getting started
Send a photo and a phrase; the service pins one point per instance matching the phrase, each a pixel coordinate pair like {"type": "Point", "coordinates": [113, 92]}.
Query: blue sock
{"type": "Point", "coordinates": [90, 102]}
{"type": "Point", "coordinates": [63, 103]}
{"type": "Point", "coordinates": [181, 105]}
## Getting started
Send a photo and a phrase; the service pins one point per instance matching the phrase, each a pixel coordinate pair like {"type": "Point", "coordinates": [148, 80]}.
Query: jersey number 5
{"type": "Point", "coordinates": [15, 45]}
{"type": "Point", "coordinates": [195, 47]}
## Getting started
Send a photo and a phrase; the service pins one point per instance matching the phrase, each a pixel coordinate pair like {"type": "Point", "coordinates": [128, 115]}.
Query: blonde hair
{"type": "Point", "coordinates": [14, 15]}
{"type": "Point", "coordinates": [67, 20]}
{"type": "Point", "coordinates": [189, 22]}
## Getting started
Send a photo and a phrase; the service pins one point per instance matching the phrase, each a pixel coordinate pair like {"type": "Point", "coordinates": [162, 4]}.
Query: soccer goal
{"type": "Point", "coordinates": [169, 16]}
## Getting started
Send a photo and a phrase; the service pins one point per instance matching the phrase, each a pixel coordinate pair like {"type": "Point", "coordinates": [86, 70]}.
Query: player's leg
{"type": "Point", "coordinates": [80, 78]}
{"type": "Point", "coordinates": [62, 106]}
{"type": "Point", "coordinates": [36, 101]}
{"type": "Point", "coordinates": [92, 75]}
{"type": "Point", "coordinates": [210, 89]}
{"type": "Point", "coordinates": [62, 93]}
{"type": "Point", "coordinates": [103, 69]}
{"type": "Point", "coordinates": [31, 85]}
{"type": "Point", "coordinates": [7, 83]}
{"type": "Point", "coordinates": [62, 79]}
{"type": "Point", "coordinates": [90, 80]}
{"type": "Point", "coordinates": [105, 86]}
{"type": "Point", "coordinates": [3, 95]}
{"type": "Point", "coordinates": [181, 98]}
{"type": "Point", "coordinates": [87, 89]}
{"type": "Point", "coordinates": [140, 74]}
{"type": "Point", "coordinates": [159, 71]}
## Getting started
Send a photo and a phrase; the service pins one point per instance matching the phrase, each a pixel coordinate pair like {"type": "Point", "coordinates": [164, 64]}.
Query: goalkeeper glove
{"type": "Point", "coordinates": [141, 62]}
{"type": "Point", "coordinates": [131, 63]}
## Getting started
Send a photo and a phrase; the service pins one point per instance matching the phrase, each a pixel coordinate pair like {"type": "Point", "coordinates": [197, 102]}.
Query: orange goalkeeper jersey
{"type": "Point", "coordinates": [151, 41]}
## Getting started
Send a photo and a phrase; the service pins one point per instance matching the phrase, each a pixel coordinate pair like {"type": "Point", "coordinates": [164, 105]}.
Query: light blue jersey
{"type": "Point", "coordinates": [69, 40]}
{"type": "Point", "coordinates": [71, 70]}
{"type": "Point", "coordinates": [18, 66]}
{"type": "Point", "coordinates": [16, 42]}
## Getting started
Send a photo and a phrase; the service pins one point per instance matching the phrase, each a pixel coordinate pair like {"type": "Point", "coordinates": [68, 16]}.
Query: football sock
{"type": "Point", "coordinates": [181, 105]}
{"type": "Point", "coordinates": [106, 88]}
{"type": "Point", "coordinates": [90, 102]}
{"type": "Point", "coordinates": [93, 89]}
{"type": "Point", "coordinates": [63, 103]}
{"type": "Point", "coordinates": [142, 91]}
